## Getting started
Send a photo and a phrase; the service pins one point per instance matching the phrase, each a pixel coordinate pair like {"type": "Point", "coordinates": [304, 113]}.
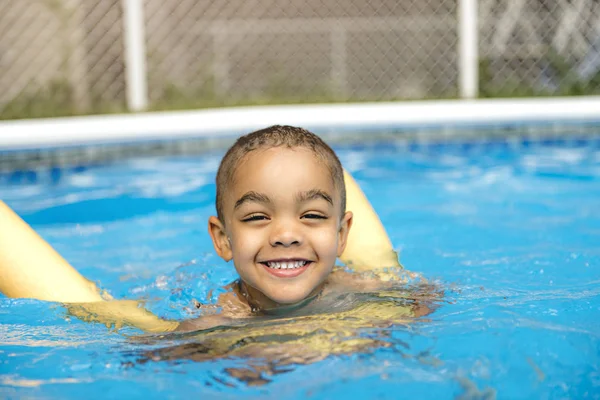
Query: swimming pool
{"type": "Point", "coordinates": [510, 230]}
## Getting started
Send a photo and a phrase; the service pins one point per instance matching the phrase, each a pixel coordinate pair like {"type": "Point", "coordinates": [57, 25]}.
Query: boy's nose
{"type": "Point", "coordinates": [285, 235]}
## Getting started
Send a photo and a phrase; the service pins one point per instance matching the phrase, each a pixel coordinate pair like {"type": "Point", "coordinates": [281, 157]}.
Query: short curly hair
{"type": "Point", "coordinates": [278, 136]}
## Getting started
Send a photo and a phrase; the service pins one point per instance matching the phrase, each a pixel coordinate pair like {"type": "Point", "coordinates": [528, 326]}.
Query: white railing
{"type": "Point", "coordinates": [61, 57]}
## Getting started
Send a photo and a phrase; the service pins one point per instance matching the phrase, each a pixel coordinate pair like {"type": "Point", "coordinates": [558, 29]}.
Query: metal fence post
{"type": "Point", "coordinates": [135, 55]}
{"type": "Point", "coordinates": [339, 62]}
{"type": "Point", "coordinates": [468, 57]}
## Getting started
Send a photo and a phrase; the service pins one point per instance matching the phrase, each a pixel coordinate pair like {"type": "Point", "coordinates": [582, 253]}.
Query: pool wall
{"type": "Point", "coordinates": [73, 140]}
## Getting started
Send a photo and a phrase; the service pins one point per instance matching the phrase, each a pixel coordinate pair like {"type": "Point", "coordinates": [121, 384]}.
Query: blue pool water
{"type": "Point", "coordinates": [510, 232]}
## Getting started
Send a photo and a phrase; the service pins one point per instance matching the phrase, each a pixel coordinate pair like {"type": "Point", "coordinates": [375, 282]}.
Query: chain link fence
{"type": "Point", "coordinates": [539, 47]}
{"type": "Point", "coordinates": [66, 57]}
{"type": "Point", "coordinates": [242, 51]}
{"type": "Point", "coordinates": [60, 57]}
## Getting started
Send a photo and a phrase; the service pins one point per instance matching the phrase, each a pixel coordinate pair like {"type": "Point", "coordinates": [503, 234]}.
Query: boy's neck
{"type": "Point", "coordinates": [259, 303]}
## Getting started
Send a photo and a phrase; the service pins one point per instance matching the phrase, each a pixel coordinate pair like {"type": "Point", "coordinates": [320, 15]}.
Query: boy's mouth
{"type": "Point", "coordinates": [286, 268]}
{"type": "Point", "coordinates": [287, 264]}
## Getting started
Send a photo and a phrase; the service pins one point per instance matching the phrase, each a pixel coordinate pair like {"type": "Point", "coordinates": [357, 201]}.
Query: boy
{"type": "Point", "coordinates": [282, 219]}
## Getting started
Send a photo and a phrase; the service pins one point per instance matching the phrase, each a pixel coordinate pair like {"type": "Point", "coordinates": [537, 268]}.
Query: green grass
{"type": "Point", "coordinates": [561, 71]}
{"type": "Point", "coordinates": [56, 100]}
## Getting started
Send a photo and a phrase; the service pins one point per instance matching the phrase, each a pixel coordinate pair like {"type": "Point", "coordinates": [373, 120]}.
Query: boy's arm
{"type": "Point", "coordinates": [369, 246]}
{"type": "Point", "coordinates": [119, 313]}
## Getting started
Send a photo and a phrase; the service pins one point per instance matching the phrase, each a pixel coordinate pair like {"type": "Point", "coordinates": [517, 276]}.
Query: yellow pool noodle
{"type": "Point", "coordinates": [369, 246]}
{"type": "Point", "coordinates": [30, 267]}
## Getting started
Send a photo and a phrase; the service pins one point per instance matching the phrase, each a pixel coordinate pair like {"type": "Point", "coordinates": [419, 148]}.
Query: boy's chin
{"type": "Point", "coordinates": [288, 299]}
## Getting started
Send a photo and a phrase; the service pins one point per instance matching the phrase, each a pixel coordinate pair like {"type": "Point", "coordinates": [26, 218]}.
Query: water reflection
{"type": "Point", "coordinates": [351, 323]}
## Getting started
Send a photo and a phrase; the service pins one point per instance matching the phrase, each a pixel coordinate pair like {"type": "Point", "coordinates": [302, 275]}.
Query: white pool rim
{"type": "Point", "coordinates": [68, 131]}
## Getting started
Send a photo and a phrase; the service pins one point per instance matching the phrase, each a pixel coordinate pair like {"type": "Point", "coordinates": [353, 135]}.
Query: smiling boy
{"type": "Point", "coordinates": [282, 219]}
{"type": "Point", "coordinates": [281, 203]}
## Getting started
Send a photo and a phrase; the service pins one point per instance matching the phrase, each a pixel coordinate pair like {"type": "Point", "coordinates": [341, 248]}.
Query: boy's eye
{"type": "Point", "coordinates": [255, 217]}
{"type": "Point", "coordinates": [314, 216]}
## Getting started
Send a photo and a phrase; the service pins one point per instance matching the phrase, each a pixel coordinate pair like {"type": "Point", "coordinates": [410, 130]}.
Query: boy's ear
{"type": "Point", "coordinates": [345, 226]}
{"type": "Point", "coordinates": [217, 233]}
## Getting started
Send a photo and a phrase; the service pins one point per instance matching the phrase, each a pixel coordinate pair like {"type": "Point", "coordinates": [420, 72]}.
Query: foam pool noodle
{"type": "Point", "coordinates": [369, 246]}
{"type": "Point", "coordinates": [31, 268]}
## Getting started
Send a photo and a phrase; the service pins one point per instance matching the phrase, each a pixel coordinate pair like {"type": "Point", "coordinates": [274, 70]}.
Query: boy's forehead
{"type": "Point", "coordinates": [253, 161]}
{"type": "Point", "coordinates": [278, 166]}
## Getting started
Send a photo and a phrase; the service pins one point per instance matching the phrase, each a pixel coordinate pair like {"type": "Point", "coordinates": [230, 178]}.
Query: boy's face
{"type": "Point", "coordinates": [283, 223]}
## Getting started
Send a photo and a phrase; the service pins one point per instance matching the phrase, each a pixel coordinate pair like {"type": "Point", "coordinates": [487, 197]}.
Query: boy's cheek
{"type": "Point", "coordinates": [244, 245]}
{"type": "Point", "coordinates": [326, 240]}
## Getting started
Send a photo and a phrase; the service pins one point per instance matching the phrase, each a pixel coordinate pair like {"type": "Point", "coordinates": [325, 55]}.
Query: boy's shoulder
{"type": "Point", "coordinates": [342, 280]}
{"type": "Point", "coordinates": [230, 306]}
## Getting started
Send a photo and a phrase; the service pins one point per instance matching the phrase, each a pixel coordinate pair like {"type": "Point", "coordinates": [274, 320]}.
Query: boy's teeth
{"type": "Point", "coordinates": [286, 264]}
